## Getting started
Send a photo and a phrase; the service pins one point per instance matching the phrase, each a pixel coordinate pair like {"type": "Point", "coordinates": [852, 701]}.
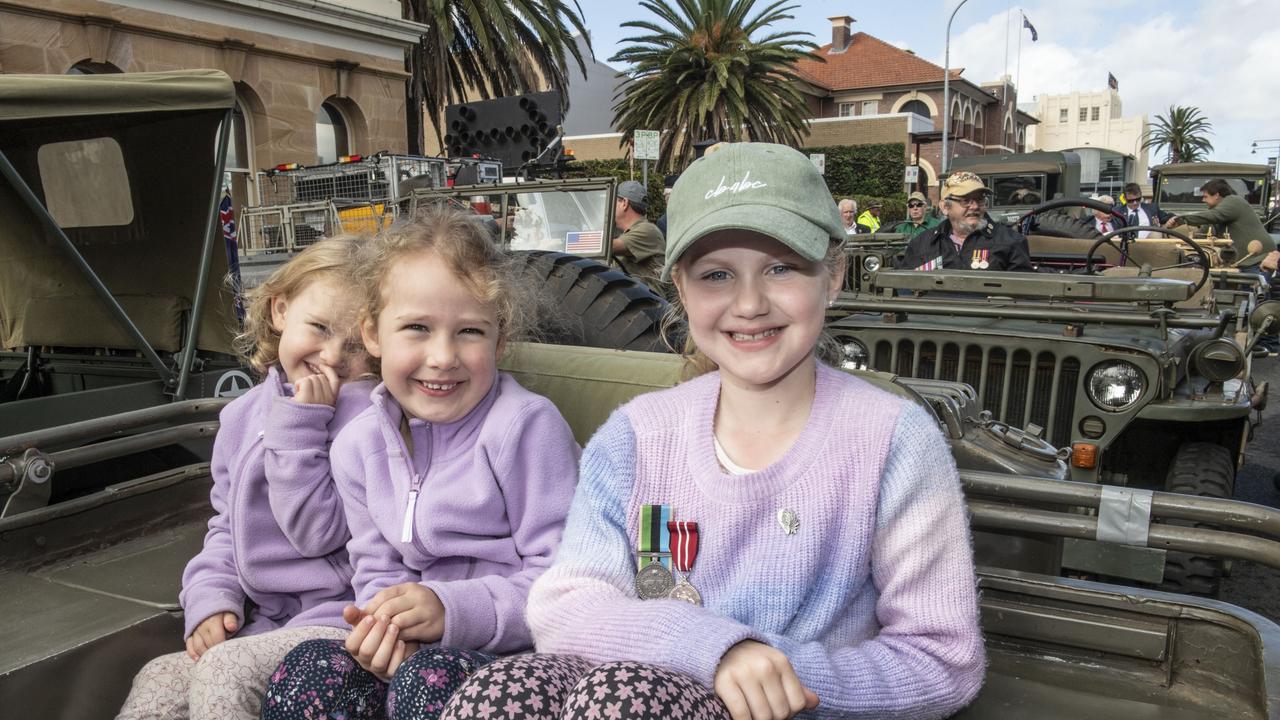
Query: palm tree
{"type": "Point", "coordinates": [702, 75]}
{"type": "Point", "coordinates": [1183, 132]}
{"type": "Point", "coordinates": [493, 48]}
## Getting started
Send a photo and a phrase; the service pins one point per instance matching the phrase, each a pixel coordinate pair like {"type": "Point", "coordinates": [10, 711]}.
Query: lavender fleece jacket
{"type": "Point", "coordinates": [493, 491]}
{"type": "Point", "coordinates": [873, 599]}
{"type": "Point", "coordinates": [278, 530]}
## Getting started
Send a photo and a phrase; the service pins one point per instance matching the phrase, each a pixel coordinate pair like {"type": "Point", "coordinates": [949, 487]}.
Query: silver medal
{"type": "Point", "coordinates": [975, 264]}
{"type": "Point", "coordinates": [684, 591]}
{"type": "Point", "coordinates": [789, 521]}
{"type": "Point", "coordinates": [984, 265]}
{"type": "Point", "coordinates": [654, 581]}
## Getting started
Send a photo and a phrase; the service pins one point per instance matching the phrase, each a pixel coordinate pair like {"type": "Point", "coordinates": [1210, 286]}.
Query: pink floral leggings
{"type": "Point", "coordinates": [559, 687]}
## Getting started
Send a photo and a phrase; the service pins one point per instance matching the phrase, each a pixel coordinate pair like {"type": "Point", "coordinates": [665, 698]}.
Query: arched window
{"type": "Point", "coordinates": [1007, 140]}
{"type": "Point", "coordinates": [332, 137]}
{"type": "Point", "coordinates": [968, 122]}
{"type": "Point", "coordinates": [978, 133]}
{"type": "Point", "coordinates": [917, 107]}
{"type": "Point", "coordinates": [957, 118]}
{"type": "Point", "coordinates": [89, 67]}
{"type": "Point", "coordinates": [1022, 139]}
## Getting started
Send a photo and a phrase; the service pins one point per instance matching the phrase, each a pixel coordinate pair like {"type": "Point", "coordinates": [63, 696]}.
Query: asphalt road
{"type": "Point", "coordinates": [1250, 585]}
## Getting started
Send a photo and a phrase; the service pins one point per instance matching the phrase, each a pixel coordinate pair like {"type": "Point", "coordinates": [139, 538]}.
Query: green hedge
{"type": "Point", "coordinates": [866, 173]}
{"type": "Point", "coordinates": [863, 172]}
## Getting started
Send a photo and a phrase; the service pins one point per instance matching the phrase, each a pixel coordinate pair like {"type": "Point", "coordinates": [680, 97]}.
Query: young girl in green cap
{"type": "Point", "coordinates": [773, 537]}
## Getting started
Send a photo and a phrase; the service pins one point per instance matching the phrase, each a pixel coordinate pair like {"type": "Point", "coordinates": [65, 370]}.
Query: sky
{"type": "Point", "coordinates": [1222, 56]}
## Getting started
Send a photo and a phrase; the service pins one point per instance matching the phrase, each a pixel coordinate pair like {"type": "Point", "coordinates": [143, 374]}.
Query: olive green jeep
{"type": "Point", "coordinates": [1175, 187]}
{"type": "Point", "coordinates": [1143, 372]}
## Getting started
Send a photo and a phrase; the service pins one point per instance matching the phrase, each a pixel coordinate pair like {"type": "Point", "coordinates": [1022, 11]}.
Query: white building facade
{"type": "Point", "coordinates": [1092, 124]}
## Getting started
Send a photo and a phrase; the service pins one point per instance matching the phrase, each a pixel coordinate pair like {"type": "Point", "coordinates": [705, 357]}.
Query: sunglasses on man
{"type": "Point", "coordinates": [915, 204]}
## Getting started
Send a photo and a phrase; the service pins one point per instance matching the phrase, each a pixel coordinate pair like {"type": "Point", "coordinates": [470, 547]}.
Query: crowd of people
{"type": "Point", "coordinates": [403, 531]}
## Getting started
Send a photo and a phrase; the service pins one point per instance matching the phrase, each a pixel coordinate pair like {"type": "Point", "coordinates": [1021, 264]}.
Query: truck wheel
{"type": "Point", "coordinates": [1056, 223]}
{"type": "Point", "coordinates": [1207, 470]}
{"type": "Point", "coordinates": [602, 307]}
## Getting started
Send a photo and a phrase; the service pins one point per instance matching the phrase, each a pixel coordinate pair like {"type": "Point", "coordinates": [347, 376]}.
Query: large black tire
{"type": "Point", "coordinates": [1057, 223]}
{"type": "Point", "coordinates": [1207, 470]}
{"type": "Point", "coordinates": [600, 306]}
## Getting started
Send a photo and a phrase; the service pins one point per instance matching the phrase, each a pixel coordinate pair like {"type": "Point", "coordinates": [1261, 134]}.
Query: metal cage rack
{"type": "Point", "coordinates": [372, 180]}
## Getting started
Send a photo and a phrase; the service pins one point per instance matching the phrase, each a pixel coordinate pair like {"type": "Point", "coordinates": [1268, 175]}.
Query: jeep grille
{"type": "Point", "coordinates": [1017, 392]}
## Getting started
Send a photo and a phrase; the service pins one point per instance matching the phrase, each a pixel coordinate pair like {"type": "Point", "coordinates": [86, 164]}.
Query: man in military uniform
{"type": "Point", "coordinates": [640, 249]}
{"type": "Point", "coordinates": [968, 239]}
{"type": "Point", "coordinates": [918, 217]}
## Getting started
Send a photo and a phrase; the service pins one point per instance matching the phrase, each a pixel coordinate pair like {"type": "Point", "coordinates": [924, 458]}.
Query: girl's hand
{"type": "Point", "coordinates": [757, 682]}
{"type": "Point", "coordinates": [212, 630]}
{"type": "Point", "coordinates": [414, 608]}
{"type": "Point", "coordinates": [320, 389]}
{"type": "Point", "coordinates": [376, 646]}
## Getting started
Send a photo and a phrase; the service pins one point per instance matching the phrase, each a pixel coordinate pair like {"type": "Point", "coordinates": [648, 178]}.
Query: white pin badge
{"type": "Point", "coordinates": [789, 521]}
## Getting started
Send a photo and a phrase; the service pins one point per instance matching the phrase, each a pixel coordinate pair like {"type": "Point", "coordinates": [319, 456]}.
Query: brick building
{"type": "Point", "coordinates": [314, 79]}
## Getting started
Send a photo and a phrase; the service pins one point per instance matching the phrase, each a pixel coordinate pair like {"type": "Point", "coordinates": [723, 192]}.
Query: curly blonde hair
{"type": "Point", "coordinates": [675, 324]}
{"type": "Point", "coordinates": [332, 259]}
{"type": "Point", "coordinates": [467, 249]}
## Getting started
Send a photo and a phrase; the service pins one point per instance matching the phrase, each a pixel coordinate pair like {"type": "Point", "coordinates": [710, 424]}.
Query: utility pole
{"type": "Point", "coordinates": [946, 98]}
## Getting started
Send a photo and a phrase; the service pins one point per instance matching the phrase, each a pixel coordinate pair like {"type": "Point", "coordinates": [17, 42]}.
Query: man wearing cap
{"type": "Point", "coordinates": [639, 250]}
{"type": "Point", "coordinates": [918, 217]}
{"type": "Point", "coordinates": [870, 218]}
{"type": "Point", "coordinates": [967, 239]}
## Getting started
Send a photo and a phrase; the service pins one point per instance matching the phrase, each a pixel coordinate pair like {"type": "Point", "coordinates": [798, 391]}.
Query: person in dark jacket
{"type": "Point", "coordinates": [1137, 212]}
{"type": "Point", "coordinates": [968, 239]}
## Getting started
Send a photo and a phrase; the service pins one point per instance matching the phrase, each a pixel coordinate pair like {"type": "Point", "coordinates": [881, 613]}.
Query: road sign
{"type": "Point", "coordinates": [912, 175]}
{"type": "Point", "coordinates": [646, 142]}
{"type": "Point", "coordinates": [819, 161]}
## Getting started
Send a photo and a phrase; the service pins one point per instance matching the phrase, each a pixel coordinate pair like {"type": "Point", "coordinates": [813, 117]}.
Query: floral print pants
{"type": "Point", "coordinates": [320, 680]}
{"type": "Point", "coordinates": [547, 687]}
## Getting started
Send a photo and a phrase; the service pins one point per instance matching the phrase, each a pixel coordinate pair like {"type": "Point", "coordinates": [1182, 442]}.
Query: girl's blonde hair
{"type": "Point", "coordinates": [466, 247]}
{"type": "Point", "coordinates": [331, 259]}
{"type": "Point", "coordinates": [675, 324]}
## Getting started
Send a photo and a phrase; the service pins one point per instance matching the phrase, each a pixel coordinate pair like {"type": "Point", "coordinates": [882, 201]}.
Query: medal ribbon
{"type": "Point", "coordinates": [684, 544]}
{"type": "Point", "coordinates": [655, 537]}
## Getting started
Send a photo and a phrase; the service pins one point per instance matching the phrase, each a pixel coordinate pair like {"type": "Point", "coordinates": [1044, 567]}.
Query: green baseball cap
{"type": "Point", "coordinates": [770, 189]}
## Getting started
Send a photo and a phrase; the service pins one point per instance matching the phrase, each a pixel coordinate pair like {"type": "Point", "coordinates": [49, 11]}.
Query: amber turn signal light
{"type": "Point", "coordinates": [1084, 455]}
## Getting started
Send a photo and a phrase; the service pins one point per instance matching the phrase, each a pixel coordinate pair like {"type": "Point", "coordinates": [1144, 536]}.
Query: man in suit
{"type": "Point", "coordinates": [1105, 222]}
{"type": "Point", "coordinates": [1138, 212]}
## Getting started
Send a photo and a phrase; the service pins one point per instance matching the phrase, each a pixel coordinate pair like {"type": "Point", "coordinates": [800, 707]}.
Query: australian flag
{"type": "Point", "coordinates": [1027, 24]}
{"type": "Point", "coordinates": [227, 219]}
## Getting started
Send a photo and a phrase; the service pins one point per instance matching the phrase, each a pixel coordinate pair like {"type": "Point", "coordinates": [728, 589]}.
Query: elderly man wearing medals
{"type": "Point", "coordinates": [666, 551]}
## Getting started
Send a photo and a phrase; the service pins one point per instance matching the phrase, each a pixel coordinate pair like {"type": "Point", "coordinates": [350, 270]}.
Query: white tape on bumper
{"type": "Point", "coordinates": [1124, 516]}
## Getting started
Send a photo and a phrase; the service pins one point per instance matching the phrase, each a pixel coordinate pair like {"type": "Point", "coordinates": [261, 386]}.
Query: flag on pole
{"type": "Point", "coordinates": [227, 219]}
{"type": "Point", "coordinates": [1027, 24]}
{"type": "Point", "coordinates": [1112, 82]}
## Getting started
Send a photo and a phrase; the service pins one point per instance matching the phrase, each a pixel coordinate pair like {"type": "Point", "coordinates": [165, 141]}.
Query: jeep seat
{"type": "Point", "coordinates": [587, 384]}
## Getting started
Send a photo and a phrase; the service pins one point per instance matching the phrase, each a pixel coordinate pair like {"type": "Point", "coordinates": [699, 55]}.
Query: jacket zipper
{"type": "Point", "coordinates": [415, 488]}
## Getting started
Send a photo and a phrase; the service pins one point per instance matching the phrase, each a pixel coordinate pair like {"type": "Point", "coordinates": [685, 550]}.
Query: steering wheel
{"type": "Point", "coordinates": [1201, 260]}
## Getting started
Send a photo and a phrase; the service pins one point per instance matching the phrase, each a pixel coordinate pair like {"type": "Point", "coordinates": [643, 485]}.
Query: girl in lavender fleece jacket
{"type": "Point", "coordinates": [276, 540]}
{"type": "Point", "coordinates": [833, 577]}
{"type": "Point", "coordinates": [456, 483]}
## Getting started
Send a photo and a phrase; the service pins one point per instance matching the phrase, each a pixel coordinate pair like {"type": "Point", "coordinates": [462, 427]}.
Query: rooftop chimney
{"type": "Point", "coordinates": [841, 32]}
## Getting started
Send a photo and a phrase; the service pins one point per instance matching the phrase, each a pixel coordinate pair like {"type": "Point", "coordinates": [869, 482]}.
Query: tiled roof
{"type": "Point", "coordinates": [869, 62]}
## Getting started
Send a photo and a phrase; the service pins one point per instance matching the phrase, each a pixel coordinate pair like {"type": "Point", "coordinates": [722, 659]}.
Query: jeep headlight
{"type": "Point", "coordinates": [1115, 385]}
{"type": "Point", "coordinates": [856, 356]}
{"type": "Point", "coordinates": [871, 263]}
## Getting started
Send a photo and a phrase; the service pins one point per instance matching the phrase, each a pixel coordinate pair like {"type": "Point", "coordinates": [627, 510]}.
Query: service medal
{"type": "Point", "coordinates": [684, 550]}
{"type": "Point", "coordinates": [685, 592]}
{"type": "Point", "coordinates": [984, 265]}
{"type": "Point", "coordinates": [654, 581]}
{"type": "Point", "coordinates": [975, 264]}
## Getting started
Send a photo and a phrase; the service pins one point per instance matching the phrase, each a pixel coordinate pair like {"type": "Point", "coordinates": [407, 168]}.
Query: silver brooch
{"type": "Point", "coordinates": [789, 521]}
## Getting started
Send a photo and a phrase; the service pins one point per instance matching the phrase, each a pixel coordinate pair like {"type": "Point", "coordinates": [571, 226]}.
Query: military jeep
{"type": "Point", "coordinates": [1021, 181]}
{"type": "Point", "coordinates": [1175, 187]}
{"type": "Point", "coordinates": [1144, 374]}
